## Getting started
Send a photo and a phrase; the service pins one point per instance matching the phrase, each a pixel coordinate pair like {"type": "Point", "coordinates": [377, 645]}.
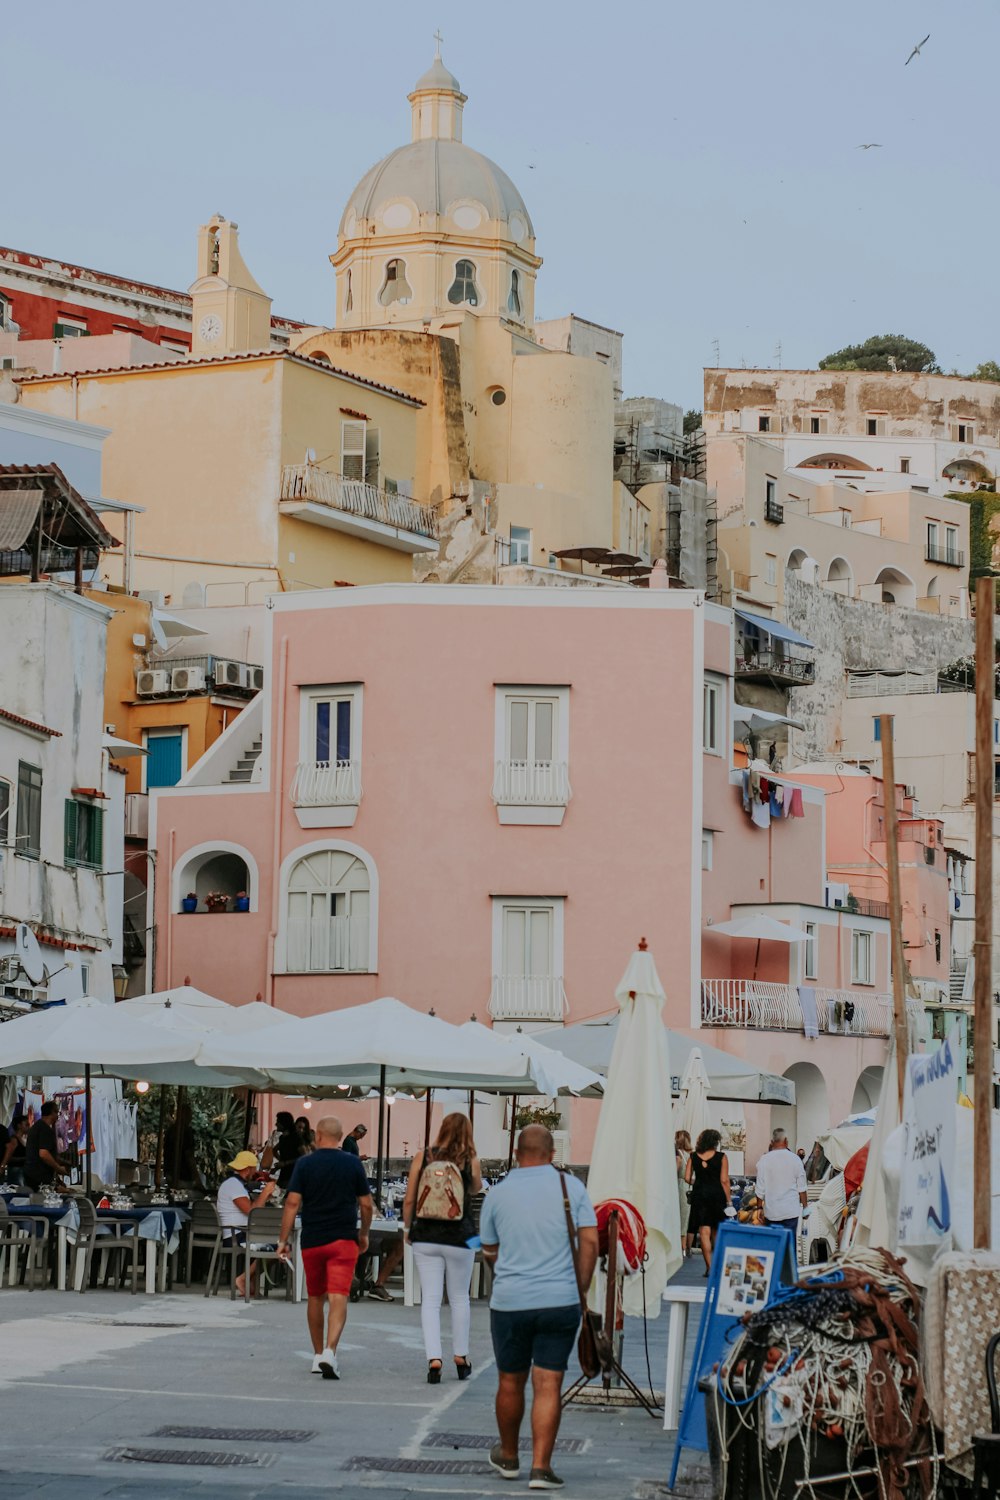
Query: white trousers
{"type": "Point", "coordinates": [438, 1265]}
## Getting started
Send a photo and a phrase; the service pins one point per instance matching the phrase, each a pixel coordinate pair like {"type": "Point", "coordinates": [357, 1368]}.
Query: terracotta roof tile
{"type": "Point", "coordinates": [5, 713]}
{"type": "Point", "coordinates": [226, 359]}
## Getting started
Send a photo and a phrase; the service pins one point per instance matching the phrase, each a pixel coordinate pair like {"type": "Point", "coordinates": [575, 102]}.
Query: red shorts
{"type": "Point", "coordinates": [330, 1268]}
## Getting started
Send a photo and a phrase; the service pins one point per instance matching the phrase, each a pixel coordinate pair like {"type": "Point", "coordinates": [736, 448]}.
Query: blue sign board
{"type": "Point", "coordinates": [749, 1262]}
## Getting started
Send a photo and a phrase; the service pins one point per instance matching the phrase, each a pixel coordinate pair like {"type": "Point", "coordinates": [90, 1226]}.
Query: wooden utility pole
{"type": "Point", "coordinates": [982, 1036]}
{"type": "Point", "coordinates": [895, 903]}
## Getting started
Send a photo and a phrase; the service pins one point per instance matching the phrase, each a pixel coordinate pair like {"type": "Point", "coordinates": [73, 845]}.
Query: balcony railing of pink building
{"type": "Point", "coordinates": [764, 1006]}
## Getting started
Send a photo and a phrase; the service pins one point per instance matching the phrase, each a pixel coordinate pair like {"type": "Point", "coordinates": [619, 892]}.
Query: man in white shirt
{"type": "Point", "coordinates": [234, 1204]}
{"type": "Point", "coordinates": [781, 1183]}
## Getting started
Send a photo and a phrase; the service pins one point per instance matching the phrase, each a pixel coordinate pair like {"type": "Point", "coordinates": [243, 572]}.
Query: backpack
{"type": "Point", "coordinates": [440, 1192]}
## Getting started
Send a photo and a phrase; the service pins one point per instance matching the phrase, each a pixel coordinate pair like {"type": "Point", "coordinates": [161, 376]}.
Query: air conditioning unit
{"type": "Point", "coordinates": [229, 674]}
{"type": "Point", "coordinates": [256, 675]}
{"type": "Point", "coordinates": [187, 679]}
{"type": "Point", "coordinates": [151, 682]}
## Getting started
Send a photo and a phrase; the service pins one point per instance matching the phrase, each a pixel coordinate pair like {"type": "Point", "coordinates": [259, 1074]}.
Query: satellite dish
{"type": "Point", "coordinates": [29, 954]}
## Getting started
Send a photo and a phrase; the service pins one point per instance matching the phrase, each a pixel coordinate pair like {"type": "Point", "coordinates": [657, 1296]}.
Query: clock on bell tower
{"type": "Point", "coordinates": [230, 313]}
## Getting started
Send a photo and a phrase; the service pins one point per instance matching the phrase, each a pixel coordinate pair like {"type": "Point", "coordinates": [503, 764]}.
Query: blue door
{"type": "Point", "coordinates": [163, 763]}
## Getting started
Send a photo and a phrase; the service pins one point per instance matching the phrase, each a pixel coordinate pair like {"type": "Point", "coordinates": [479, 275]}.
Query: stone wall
{"type": "Point", "coordinates": [852, 635]}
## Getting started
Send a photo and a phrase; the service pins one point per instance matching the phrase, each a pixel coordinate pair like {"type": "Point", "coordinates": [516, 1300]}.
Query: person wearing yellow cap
{"type": "Point", "coordinates": [234, 1204]}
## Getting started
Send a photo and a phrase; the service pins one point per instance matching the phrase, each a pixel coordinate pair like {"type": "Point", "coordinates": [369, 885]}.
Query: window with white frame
{"type": "Point", "coordinates": [520, 544]}
{"type": "Point", "coordinates": [328, 773]}
{"type": "Point", "coordinates": [862, 957]}
{"type": "Point", "coordinates": [531, 753]}
{"type": "Point", "coordinates": [770, 492]}
{"type": "Point", "coordinates": [932, 537]}
{"type": "Point", "coordinates": [527, 959]}
{"type": "Point", "coordinates": [395, 287]}
{"type": "Point", "coordinates": [707, 848]}
{"type": "Point", "coordinates": [5, 801]}
{"type": "Point", "coordinates": [771, 568]}
{"type": "Point", "coordinates": [328, 914]}
{"type": "Point", "coordinates": [713, 707]}
{"type": "Point", "coordinates": [951, 543]}
{"type": "Point", "coordinates": [464, 289]}
{"type": "Point", "coordinates": [810, 952]}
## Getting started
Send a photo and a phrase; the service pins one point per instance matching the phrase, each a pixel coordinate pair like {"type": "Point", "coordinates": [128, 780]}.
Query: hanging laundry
{"type": "Point", "coordinates": [765, 789]}
{"type": "Point", "coordinates": [760, 814]}
{"type": "Point", "coordinates": [775, 800]}
{"type": "Point", "coordinates": [795, 808]}
{"type": "Point", "coordinates": [745, 784]}
{"type": "Point", "coordinates": [755, 786]}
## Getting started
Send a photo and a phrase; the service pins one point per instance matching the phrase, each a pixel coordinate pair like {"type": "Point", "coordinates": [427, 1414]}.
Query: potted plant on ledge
{"type": "Point", "coordinates": [217, 901]}
{"type": "Point", "coordinates": [189, 902]}
{"type": "Point", "coordinates": [241, 901]}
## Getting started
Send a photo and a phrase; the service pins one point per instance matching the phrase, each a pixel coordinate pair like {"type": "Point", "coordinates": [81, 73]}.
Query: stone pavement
{"type": "Point", "coordinates": [88, 1385]}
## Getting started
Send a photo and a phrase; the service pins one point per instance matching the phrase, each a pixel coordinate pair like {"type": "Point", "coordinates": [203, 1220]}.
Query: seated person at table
{"type": "Point", "coordinates": [234, 1204]}
{"type": "Point", "coordinates": [12, 1161]}
{"type": "Point", "coordinates": [42, 1162]}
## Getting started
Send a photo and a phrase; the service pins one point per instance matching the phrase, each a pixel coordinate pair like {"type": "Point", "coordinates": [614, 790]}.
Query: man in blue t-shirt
{"type": "Point", "coordinates": [330, 1189]}
{"type": "Point", "coordinates": [535, 1306]}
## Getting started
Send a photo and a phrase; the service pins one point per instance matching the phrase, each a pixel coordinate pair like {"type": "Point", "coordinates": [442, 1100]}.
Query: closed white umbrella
{"type": "Point", "coordinates": [694, 1096]}
{"type": "Point", "coordinates": [633, 1156]}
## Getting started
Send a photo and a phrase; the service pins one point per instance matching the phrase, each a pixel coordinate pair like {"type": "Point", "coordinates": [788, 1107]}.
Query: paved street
{"type": "Point", "coordinates": [89, 1379]}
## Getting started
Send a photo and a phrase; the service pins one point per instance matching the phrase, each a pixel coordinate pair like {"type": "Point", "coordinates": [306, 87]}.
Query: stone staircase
{"type": "Point", "coordinates": [956, 982]}
{"type": "Point", "coordinates": [245, 764]}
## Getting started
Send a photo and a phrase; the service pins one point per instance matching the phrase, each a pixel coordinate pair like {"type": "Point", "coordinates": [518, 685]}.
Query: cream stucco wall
{"type": "Point", "coordinates": [201, 447]}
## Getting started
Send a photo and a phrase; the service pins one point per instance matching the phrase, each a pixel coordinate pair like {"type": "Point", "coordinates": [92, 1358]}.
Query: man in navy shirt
{"type": "Point", "coordinates": [330, 1189]}
{"type": "Point", "coordinates": [352, 1139]}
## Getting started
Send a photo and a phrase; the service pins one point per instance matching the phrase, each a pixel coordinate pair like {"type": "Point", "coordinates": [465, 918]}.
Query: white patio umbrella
{"type": "Point", "coordinates": [552, 1071]}
{"type": "Point", "coordinates": [64, 1039]}
{"type": "Point", "coordinates": [760, 721]}
{"type": "Point", "coordinates": [382, 1044]}
{"type": "Point", "coordinates": [633, 1156]}
{"type": "Point", "coordinates": [693, 1110]}
{"type": "Point", "coordinates": [760, 926]}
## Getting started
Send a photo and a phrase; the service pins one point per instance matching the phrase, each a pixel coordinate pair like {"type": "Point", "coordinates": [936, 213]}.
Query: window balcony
{"type": "Point", "coordinates": [527, 791]}
{"type": "Point", "coordinates": [326, 794]}
{"type": "Point", "coordinates": [775, 666]}
{"type": "Point", "coordinates": [946, 555]}
{"type": "Point", "coordinates": [313, 494]}
{"type": "Point", "coordinates": [758, 1005]}
{"type": "Point", "coordinates": [527, 998]}
{"type": "Point", "coordinates": [774, 512]}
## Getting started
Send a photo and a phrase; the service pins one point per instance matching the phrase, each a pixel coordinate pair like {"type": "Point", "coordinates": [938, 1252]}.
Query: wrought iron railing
{"type": "Point", "coordinates": [307, 482]}
{"type": "Point", "coordinates": [775, 664]}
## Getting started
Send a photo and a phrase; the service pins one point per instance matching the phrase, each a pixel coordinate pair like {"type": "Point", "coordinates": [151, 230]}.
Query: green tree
{"type": "Point", "coordinates": [884, 351]}
{"type": "Point", "coordinates": [988, 370]}
{"type": "Point", "coordinates": [692, 421]}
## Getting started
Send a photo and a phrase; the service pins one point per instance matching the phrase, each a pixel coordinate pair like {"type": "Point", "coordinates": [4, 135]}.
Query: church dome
{"type": "Point", "coordinates": [438, 176]}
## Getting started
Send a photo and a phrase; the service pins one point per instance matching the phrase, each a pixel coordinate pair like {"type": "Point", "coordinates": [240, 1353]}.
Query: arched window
{"type": "Point", "coordinates": [328, 914]}
{"type": "Point", "coordinates": [514, 299]}
{"type": "Point", "coordinates": [463, 288]}
{"type": "Point", "coordinates": [349, 293]}
{"type": "Point", "coordinates": [395, 287]}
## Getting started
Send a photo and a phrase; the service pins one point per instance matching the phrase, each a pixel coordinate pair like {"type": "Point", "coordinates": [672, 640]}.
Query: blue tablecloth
{"type": "Point", "coordinates": [152, 1222]}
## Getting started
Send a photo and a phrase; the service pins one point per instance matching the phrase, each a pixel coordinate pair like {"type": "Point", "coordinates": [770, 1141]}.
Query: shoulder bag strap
{"type": "Point", "coordinates": [571, 1229]}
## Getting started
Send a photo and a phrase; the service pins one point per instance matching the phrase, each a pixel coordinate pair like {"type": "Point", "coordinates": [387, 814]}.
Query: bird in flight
{"type": "Point", "coordinates": [916, 50]}
{"type": "Point", "coordinates": [870, 146]}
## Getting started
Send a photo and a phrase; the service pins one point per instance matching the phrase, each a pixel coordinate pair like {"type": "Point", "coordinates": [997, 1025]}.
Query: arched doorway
{"type": "Point", "coordinates": [809, 1116]}
{"type": "Point", "coordinates": [867, 1089]}
{"type": "Point", "coordinates": [966, 474]}
{"type": "Point", "coordinates": [840, 577]}
{"type": "Point", "coordinates": [897, 588]}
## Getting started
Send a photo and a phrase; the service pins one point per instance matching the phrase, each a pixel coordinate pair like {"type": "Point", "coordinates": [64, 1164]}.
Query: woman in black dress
{"type": "Point", "coordinates": [707, 1172]}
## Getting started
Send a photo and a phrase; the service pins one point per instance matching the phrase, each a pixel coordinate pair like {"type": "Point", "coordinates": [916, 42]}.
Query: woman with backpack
{"type": "Point", "coordinates": [437, 1214]}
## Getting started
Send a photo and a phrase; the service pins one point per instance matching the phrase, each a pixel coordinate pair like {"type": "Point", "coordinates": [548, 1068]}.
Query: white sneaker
{"type": "Point", "coordinates": [328, 1366]}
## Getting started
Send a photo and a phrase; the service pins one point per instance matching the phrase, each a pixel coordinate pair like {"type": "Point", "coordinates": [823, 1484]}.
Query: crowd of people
{"type": "Point", "coordinates": [523, 1232]}
{"type": "Point", "coordinates": [780, 1194]}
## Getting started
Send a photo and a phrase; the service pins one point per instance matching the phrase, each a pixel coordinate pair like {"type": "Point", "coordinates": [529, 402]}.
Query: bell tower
{"type": "Point", "coordinates": [230, 313]}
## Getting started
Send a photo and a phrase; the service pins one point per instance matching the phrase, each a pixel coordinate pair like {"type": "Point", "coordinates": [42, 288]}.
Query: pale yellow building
{"type": "Point", "coordinates": [256, 472]}
{"type": "Point", "coordinates": [436, 264]}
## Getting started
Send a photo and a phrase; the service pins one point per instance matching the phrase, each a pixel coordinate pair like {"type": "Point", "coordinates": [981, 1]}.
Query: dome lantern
{"type": "Point", "coordinates": [436, 102]}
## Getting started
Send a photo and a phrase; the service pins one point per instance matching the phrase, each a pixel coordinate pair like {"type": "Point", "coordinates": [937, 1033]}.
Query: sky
{"type": "Point", "coordinates": [692, 170]}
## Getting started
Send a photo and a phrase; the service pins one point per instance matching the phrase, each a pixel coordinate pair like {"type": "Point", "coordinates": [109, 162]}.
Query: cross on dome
{"type": "Point", "coordinates": [438, 39]}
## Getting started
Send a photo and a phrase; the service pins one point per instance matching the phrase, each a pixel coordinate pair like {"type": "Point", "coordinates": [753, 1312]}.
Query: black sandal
{"type": "Point", "coordinates": [434, 1372]}
{"type": "Point", "coordinates": [463, 1369]}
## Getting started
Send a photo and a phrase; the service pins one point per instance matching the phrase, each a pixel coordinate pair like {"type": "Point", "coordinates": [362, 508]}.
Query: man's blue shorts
{"type": "Point", "coordinates": [541, 1336]}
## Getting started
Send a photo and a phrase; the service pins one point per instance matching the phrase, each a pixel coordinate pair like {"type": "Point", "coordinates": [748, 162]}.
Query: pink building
{"type": "Point", "coordinates": [477, 799]}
